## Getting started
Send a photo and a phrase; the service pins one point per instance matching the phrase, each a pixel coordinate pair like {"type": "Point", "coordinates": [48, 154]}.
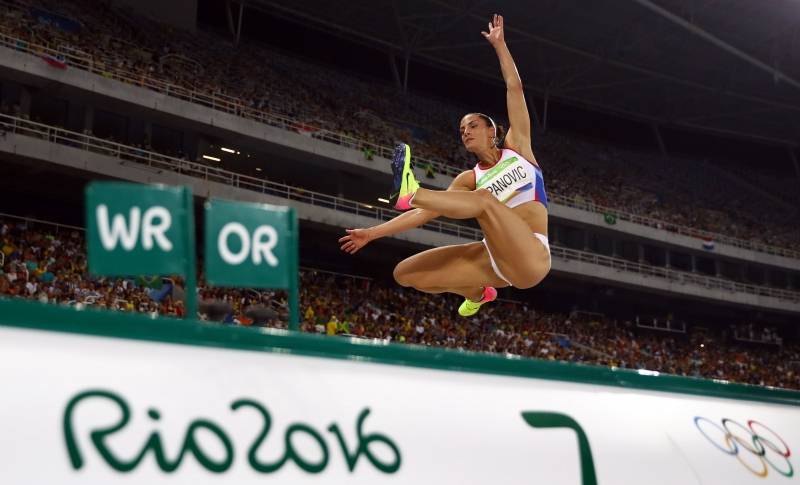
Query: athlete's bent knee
{"type": "Point", "coordinates": [486, 200]}
{"type": "Point", "coordinates": [400, 274]}
{"type": "Point", "coordinates": [485, 197]}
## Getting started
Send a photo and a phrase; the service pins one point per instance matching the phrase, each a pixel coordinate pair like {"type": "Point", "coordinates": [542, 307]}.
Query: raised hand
{"type": "Point", "coordinates": [495, 35]}
{"type": "Point", "coordinates": [355, 240]}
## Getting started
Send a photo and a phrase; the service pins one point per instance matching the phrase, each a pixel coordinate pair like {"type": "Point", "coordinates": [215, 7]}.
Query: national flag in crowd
{"type": "Point", "coordinates": [57, 62]}
{"type": "Point", "coordinates": [610, 218]}
{"type": "Point", "coordinates": [153, 282]}
{"type": "Point", "coordinates": [708, 244]}
{"type": "Point", "coordinates": [305, 129]}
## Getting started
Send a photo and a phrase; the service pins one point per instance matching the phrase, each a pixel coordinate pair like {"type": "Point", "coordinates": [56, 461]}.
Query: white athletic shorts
{"type": "Point", "coordinates": [540, 237]}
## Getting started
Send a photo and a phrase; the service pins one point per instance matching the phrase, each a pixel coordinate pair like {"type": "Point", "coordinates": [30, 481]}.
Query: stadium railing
{"type": "Point", "coordinates": [156, 161]}
{"type": "Point", "coordinates": [58, 227]}
{"type": "Point", "coordinates": [106, 67]}
{"type": "Point", "coordinates": [674, 276]}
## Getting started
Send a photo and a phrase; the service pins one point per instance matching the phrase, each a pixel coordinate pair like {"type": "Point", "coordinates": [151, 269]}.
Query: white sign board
{"type": "Point", "coordinates": [79, 409]}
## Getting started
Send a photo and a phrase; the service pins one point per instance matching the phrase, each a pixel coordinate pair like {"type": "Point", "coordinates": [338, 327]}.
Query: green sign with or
{"type": "Point", "coordinates": [252, 246]}
{"type": "Point", "coordinates": [134, 229]}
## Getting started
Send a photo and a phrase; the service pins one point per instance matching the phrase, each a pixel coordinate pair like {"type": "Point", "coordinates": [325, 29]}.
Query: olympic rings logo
{"type": "Point", "coordinates": [755, 438]}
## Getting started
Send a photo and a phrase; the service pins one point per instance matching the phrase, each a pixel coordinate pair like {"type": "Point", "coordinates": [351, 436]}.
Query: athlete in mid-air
{"type": "Point", "coordinates": [504, 192]}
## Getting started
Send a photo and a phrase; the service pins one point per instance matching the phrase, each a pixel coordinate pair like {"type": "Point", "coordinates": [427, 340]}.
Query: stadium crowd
{"type": "Point", "coordinates": [48, 263]}
{"type": "Point", "coordinates": [320, 99]}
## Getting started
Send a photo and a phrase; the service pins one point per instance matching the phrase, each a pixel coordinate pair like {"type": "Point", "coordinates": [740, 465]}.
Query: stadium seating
{"type": "Point", "coordinates": [47, 262]}
{"type": "Point", "coordinates": [122, 46]}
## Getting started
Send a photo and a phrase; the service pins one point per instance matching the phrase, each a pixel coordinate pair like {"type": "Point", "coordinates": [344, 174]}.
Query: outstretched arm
{"type": "Point", "coordinates": [358, 238]}
{"type": "Point", "coordinates": [519, 133]}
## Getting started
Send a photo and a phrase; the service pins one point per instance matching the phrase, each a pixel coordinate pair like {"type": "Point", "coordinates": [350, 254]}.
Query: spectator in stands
{"type": "Point", "coordinates": [283, 91]}
{"type": "Point", "coordinates": [135, 50]}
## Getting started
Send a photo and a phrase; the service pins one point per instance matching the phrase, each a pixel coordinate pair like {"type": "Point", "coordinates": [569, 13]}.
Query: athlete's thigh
{"type": "Point", "coordinates": [455, 266]}
{"type": "Point", "coordinates": [520, 256]}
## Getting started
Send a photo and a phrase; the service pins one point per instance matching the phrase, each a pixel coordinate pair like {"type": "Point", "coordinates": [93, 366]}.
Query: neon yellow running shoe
{"type": "Point", "coordinates": [469, 307]}
{"type": "Point", "coordinates": [404, 183]}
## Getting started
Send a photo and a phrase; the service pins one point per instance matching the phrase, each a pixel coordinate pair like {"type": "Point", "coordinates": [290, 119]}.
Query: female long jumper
{"type": "Point", "coordinates": [504, 192]}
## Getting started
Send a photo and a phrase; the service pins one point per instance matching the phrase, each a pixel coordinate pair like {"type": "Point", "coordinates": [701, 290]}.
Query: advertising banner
{"type": "Point", "coordinates": [90, 409]}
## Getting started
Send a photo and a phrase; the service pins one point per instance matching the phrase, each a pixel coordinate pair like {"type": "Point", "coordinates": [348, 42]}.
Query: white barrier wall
{"type": "Point", "coordinates": [94, 398]}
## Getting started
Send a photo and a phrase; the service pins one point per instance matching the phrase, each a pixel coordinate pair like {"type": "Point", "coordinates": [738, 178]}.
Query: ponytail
{"type": "Point", "coordinates": [500, 137]}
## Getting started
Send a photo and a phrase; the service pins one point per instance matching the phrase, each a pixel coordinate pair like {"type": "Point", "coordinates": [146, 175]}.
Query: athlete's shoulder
{"type": "Point", "coordinates": [463, 181]}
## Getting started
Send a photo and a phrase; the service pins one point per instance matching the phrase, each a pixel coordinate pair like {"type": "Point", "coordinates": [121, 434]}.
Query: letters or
{"type": "Point", "coordinates": [259, 247]}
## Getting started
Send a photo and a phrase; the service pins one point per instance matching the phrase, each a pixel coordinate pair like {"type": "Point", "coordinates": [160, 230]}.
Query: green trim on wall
{"type": "Point", "coordinates": [33, 315]}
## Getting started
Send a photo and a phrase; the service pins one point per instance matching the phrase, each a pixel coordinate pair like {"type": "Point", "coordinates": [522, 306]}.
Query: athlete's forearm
{"type": "Point", "coordinates": [403, 222]}
{"type": "Point", "coordinates": [507, 67]}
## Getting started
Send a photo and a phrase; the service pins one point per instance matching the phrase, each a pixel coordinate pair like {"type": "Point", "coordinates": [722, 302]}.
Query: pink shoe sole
{"type": "Point", "coordinates": [404, 204]}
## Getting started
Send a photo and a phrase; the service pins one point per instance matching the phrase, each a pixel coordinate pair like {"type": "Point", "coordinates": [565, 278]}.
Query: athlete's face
{"type": "Point", "coordinates": [477, 134]}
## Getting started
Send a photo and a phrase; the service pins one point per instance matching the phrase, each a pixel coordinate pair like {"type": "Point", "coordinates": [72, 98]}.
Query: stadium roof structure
{"type": "Point", "coordinates": [726, 66]}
